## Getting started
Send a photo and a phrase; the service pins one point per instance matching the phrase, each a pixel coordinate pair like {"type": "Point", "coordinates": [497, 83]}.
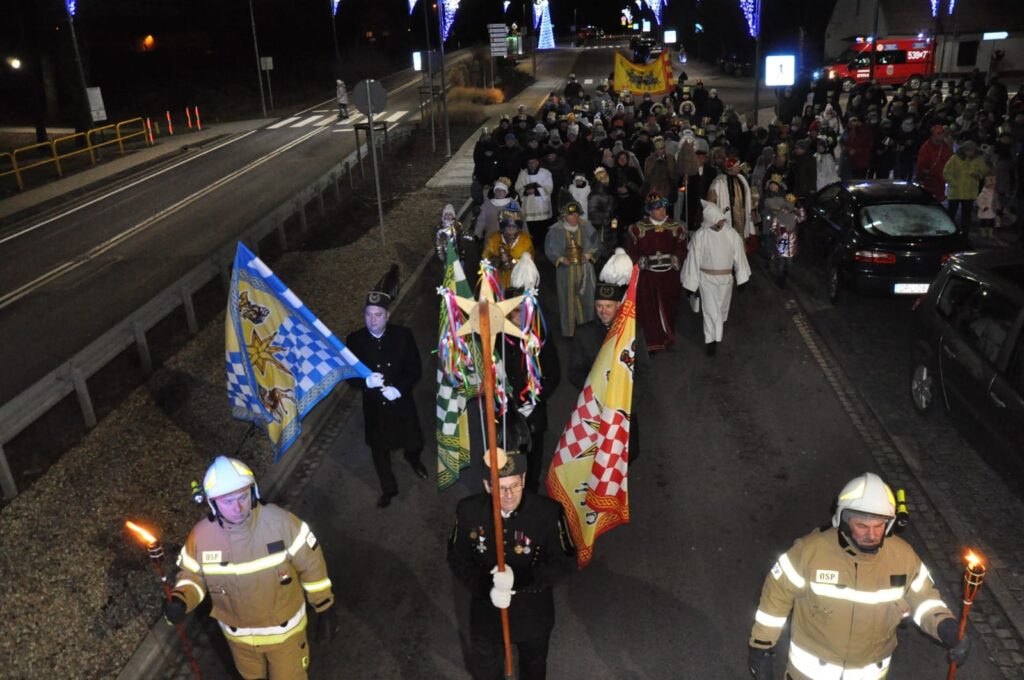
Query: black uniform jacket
{"type": "Point", "coordinates": [515, 369]}
{"type": "Point", "coordinates": [389, 424]}
{"type": "Point", "coordinates": [586, 345]}
{"type": "Point", "coordinates": [539, 550]}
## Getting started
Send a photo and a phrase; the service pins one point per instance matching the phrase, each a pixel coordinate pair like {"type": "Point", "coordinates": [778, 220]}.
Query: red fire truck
{"type": "Point", "coordinates": [896, 61]}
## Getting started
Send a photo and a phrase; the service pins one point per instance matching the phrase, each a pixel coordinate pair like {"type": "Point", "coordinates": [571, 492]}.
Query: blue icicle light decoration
{"type": "Point", "coordinates": [448, 10]}
{"type": "Point", "coordinates": [542, 18]}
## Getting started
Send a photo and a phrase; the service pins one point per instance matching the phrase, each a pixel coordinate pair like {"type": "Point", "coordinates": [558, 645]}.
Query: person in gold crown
{"type": "Point", "coordinates": [572, 246]}
{"type": "Point", "coordinates": [505, 247]}
{"type": "Point", "coordinates": [658, 245]}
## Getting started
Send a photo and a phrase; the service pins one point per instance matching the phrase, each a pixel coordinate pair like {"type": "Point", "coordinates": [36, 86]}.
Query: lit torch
{"type": "Point", "coordinates": [973, 576]}
{"type": "Point", "coordinates": [156, 561]}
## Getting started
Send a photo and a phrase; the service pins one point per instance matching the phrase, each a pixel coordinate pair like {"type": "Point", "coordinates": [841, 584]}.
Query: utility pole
{"type": "Point", "coordinates": [874, 39]}
{"type": "Point", "coordinates": [259, 69]}
{"type": "Point", "coordinates": [86, 111]}
{"type": "Point", "coordinates": [757, 63]}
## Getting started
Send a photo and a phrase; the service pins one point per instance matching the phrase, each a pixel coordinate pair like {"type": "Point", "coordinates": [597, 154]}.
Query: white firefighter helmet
{"type": "Point", "coordinates": [868, 494]}
{"type": "Point", "coordinates": [225, 476]}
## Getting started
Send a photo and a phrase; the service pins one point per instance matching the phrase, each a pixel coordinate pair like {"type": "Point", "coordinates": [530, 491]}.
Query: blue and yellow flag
{"type": "Point", "coordinates": [281, 359]}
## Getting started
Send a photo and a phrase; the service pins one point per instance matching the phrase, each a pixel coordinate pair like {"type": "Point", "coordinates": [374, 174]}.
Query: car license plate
{"type": "Point", "coordinates": [910, 288]}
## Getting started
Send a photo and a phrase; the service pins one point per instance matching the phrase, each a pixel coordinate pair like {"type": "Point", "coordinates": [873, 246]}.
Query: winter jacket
{"type": "Point", "coordinates": [600, 206]}
{"type": "Point", "coordinates": [931, 162]}
{"type": "Point", "coordinates": [963, 177]}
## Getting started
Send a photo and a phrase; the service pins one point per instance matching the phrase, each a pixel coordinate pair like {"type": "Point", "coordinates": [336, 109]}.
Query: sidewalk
{"type": "Point", "coordinates": [164, 148]}
{"type": "Point", "coordinates": [552, 70]}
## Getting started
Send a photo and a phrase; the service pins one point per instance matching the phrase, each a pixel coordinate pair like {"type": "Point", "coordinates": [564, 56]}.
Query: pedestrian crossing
{"type": "Point", "coordinates": [325, 117]}
{"type": "Point", "coordinates": [600, 47]}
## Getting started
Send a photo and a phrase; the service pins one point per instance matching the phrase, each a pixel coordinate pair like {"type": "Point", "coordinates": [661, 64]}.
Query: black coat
{"type": "Point", "coordinates": [515, 370]}
{"type": "Point", "coordinates": [551, 556]}
{"type": "Point", "coordinates": [389, 424]}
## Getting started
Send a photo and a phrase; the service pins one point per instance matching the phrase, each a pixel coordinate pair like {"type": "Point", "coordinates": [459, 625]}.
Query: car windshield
{"type": "Point", "coordinates": [906, 220]}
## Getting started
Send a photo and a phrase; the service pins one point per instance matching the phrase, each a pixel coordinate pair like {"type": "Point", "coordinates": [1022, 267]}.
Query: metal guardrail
{"type": "Point", "coordinates": [73, 375]}
{"type": "Point", "coordinates": [90, 147]}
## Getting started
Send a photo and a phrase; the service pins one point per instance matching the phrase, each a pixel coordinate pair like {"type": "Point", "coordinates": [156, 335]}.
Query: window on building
{"type": "Point", "coordinates": [967, 53]}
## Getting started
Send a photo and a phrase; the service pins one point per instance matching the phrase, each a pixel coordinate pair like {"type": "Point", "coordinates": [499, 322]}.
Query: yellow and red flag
{"type": "Point", "coordinates": [589, 472]}
{"type": "Point", "coordinates": [654, 78]}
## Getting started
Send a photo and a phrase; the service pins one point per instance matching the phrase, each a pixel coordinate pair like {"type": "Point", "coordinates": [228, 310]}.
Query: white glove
{"type": "Point", "coordinates": [391, 393]}
{"type": "Point", "coordinates": [503, 580]}
{"type": "Point", "coordinates": [526, 409]}
{"type": "Point", "coordinates": [501, 598]}
{"type": "Point", "coordinates": [375, 380]}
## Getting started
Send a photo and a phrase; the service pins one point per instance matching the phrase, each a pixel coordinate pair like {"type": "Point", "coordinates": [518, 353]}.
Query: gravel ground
{"type": "Point", "coordinates": [76, 595]}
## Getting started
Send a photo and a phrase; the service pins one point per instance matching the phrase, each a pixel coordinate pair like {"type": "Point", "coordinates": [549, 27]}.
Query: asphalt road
{"type": "Point", "coordinates": [73, 272]}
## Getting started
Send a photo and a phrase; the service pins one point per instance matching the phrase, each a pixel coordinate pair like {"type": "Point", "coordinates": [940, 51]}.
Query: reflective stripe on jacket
{"type": "Point", "coordinates": [259, 574]}
{"type": "Point", "coordinates": [845, 604]}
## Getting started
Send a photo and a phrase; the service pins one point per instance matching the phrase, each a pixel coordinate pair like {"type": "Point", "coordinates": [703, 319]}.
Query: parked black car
{"type": "Point", "coordinates": [882, 237]}
{"type": "Point", "coordinates": [969, 343]}
{"type": "Point", "coordinates": [644, 48]}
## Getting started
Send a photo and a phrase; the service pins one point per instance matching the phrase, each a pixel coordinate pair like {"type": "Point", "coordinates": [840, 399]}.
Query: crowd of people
{"type": "Point", "coordinates": [607, 150]}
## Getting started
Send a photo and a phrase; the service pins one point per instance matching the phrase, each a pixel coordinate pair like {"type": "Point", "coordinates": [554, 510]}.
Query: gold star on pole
{"type": "Point", "coordinates": [496, 313]}
{"type": "Point", "coordinates": [261, 352]}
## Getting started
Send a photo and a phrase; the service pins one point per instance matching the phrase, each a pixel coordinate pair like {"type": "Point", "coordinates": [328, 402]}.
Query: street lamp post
{"type": "Point", "coordinates": [757, 62]}
{"type": "Point", "coordinates": [71, 6]}
{"type": "Point", "coordinates": [333, 4]}
{"type": "Point", "coordinates": [259, 69]}
{"type": "Point", "coordinates": [444, 85]}
{"type": "Point", "coordinates": [430, 72]}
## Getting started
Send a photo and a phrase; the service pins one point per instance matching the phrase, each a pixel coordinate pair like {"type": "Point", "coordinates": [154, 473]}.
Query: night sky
{"type": "Point", "coordinates": [202, 51]}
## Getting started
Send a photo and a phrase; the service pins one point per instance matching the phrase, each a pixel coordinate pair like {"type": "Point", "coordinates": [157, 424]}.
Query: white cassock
{"type": "Point", "coordinates": [712, 259]}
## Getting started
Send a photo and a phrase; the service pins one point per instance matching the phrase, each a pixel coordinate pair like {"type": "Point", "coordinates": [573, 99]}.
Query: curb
{"type": "Point", "coordinates": [959, 530]}
{"type": "Point", "coordinates": [161, 644]}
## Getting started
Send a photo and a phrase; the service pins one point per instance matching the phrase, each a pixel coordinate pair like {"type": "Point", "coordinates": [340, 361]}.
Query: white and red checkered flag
{"type": "Point", "coordinates": [589, 472]}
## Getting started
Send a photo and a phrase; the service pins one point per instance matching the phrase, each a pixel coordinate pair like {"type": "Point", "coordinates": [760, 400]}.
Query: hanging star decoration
{"type": "Point", "coordinates": [497, 311]}
{"type": "Point", "coordinates": [262, 350]}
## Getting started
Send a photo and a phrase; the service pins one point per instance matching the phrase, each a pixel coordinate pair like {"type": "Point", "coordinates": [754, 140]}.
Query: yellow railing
{"type": "Point", "coordinates": [89, 147]}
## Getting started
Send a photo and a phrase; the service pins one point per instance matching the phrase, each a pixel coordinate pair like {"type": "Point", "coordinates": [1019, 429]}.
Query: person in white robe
{"type": "Point", "coordinates": [716, 255]}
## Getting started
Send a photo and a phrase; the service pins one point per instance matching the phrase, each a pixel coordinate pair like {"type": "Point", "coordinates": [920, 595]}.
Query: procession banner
{"type": "Point", "coordinates": [454, 388]}
{"type": "Point", "coordinates": [589, 472]}
{"type": "Point", "coordinates": [654, 78]}
{"type": "Point", "coordinates": [280, 358]}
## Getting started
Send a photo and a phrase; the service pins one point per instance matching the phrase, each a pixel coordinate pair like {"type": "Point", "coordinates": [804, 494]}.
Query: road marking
{"type": "Point", "coordinates": [358, 118]}
{"type": "Point", "coordinates": [137, 182]}
{"type": "Point", "coordinates": [282, 123]}
{"type": "Point", "coordinates": [327, 120]}
{"type": "Point", "coordinates": [321, 111]}
{"type": "Point", "coordinates": [100, 249]}
{"type": "Point", "coordinates": [304, 123]}
{"type": "Point", "coordinates": [394, 117]}
{"type": "Point", "coordinates": [588, 81]}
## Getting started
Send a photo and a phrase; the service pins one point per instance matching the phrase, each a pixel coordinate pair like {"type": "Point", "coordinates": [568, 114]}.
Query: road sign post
{"type": "Point", "coordinates": [370, 97]}
{"type": "Point", "coordinates": [499, 44]}
{"type": "Point", "coordinates": [267, 64]}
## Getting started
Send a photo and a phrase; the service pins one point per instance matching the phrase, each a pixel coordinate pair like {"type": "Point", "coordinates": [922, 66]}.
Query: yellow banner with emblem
{"type": "Point", "coordinates": [654, 78]}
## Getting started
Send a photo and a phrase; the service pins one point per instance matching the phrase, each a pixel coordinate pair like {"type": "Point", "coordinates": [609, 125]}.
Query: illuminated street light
{"type": "Point", "coordinates": [72, 8]}
{"type": "Point", "coordinates": [14, 63]}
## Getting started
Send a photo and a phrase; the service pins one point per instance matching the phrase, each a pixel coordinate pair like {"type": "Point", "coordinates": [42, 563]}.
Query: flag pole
{"type": "Point", "coordinates": [492, 453]}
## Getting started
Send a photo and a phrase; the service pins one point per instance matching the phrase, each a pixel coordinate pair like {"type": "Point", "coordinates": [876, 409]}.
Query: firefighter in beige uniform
{"type": "Point", "coordinates": [260, 564]}
{"type": "Point", "coordinates": [849, 587]}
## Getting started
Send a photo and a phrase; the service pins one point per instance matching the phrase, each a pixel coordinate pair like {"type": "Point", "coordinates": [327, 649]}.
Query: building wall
{"type": "Point", "coordinates": [1012, 63]}
{"type": "Point", "coordinates": [849, 18]}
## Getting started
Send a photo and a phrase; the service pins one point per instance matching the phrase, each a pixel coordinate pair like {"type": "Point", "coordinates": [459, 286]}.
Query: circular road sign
{"type": "Point", "coordinates": [369, 96]}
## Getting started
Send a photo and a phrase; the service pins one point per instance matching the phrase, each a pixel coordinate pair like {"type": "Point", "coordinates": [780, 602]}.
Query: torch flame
{"type": "Point", "coordinates": [145, 536]}
{"type": "Point", "coordinates": [972, 560]}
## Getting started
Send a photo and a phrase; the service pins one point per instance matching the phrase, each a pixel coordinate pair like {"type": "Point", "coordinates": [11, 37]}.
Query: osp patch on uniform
{"type": "Point", "coordinates": [826, 576]}
{"type": "Point", "coordinates": [311, 541]}
{"type": "Point", "coordinates": [777, 571]}
{"type": "Point", "coordinates": [211, 556]}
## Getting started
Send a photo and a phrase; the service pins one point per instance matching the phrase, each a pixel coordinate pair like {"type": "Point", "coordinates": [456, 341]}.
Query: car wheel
{"type": "Point", "coordinates": [922, 387]}
{"type": "Point", "coordinates": [833, 283]}
{"type": "Point", "coordinates": [848, 85]}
